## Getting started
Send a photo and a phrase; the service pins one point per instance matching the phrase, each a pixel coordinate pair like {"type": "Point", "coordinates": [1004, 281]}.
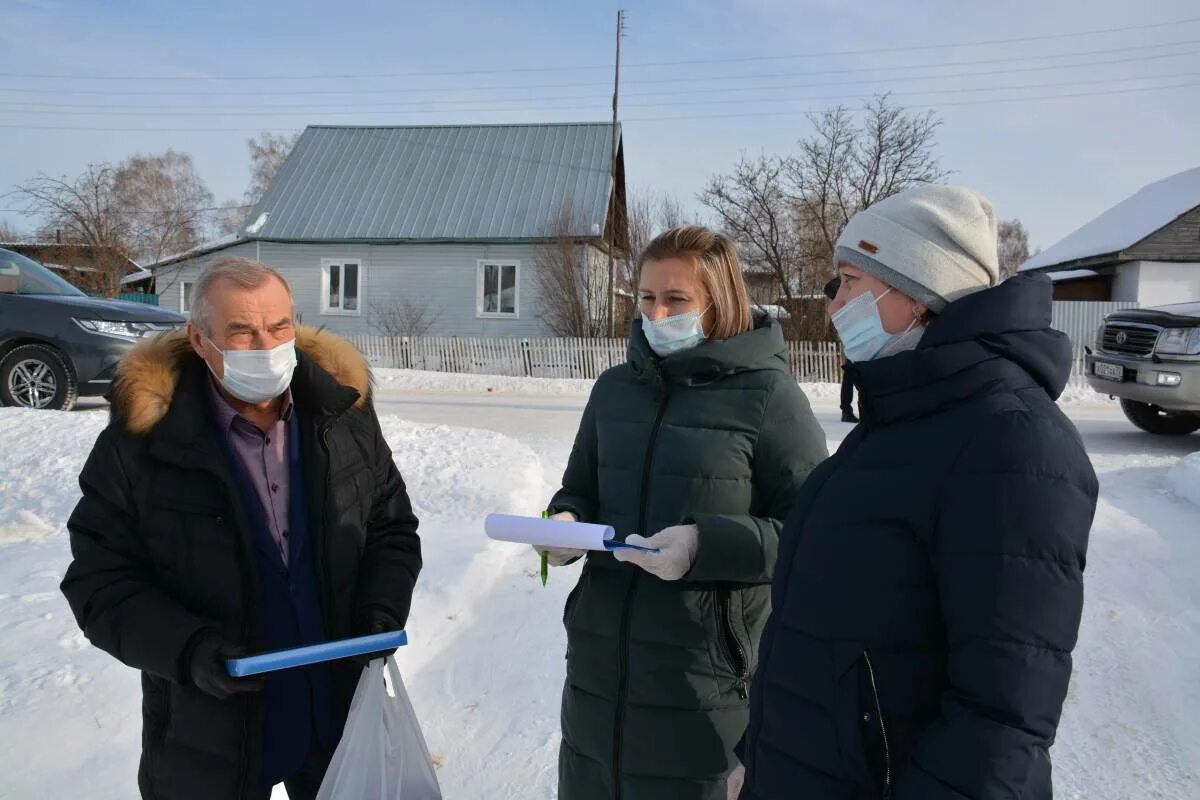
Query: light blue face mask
{"type": "Point", "coordinates": [674, 334]}
{"type": "Point", "coordinates": [860, 328]}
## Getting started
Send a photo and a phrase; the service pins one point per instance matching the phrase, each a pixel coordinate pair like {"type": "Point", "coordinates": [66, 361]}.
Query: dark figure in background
{"type": "Point", "coordinates": [848, 415]}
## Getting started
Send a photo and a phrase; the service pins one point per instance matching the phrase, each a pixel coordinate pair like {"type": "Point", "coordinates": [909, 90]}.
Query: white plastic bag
{"type": "Point", "coordinates": [382, 755]}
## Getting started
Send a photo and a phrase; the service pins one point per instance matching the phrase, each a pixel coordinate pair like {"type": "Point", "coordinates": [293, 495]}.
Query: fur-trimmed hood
{"type": "Point", "coordinates": [148, 375]}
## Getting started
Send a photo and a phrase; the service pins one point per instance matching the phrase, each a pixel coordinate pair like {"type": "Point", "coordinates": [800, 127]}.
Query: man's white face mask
{"type": "Point", "coordinates": [256, 376]}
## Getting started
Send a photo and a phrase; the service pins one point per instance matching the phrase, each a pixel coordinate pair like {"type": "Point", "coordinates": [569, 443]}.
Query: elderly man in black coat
{"type": "Point", "coordinates": [241, 499]}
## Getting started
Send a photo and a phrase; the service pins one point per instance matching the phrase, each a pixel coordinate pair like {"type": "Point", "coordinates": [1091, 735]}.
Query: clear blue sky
{"type": "Point", "coordinates": [1055, 163]}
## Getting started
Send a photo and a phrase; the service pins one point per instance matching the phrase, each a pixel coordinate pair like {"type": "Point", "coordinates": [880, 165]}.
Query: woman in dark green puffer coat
{"type": "Point", "coordinates": [699, 442]}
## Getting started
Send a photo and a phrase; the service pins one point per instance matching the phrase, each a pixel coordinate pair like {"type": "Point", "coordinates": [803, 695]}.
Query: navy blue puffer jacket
{"type": "Point", "coordinates": [929, 585]}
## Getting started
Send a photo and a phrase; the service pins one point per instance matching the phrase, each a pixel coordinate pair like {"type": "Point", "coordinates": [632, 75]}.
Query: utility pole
{"type": "Point", "coordinates": [612, 194]}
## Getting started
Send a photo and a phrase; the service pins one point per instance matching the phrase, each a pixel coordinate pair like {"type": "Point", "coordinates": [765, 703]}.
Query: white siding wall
{"type": "Point", "coordinates": [168, 281]}
{"type": "Point", "coordinates": [1161, 283]}
{"type": "Point", "coordinates": [443, 276]}
{"type": "Point", "coordinates": [1125, 282]}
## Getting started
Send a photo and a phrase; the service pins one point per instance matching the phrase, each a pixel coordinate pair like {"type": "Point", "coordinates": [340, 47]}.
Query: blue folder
{"type": "Point", "coordinates": [314, 654]}
{"type": "Point", "coordinates": [612, 544]}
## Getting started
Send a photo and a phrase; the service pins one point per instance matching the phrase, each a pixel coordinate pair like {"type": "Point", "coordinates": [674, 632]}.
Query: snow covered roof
{"type": "Point", "coordinates": [773, 311]}
{"type": "Point", "coordinates": [134, 277]}
{"type": "Point", "coordinates": [1073, 274]}
{"type": "Point", "coordinates": [229, 240]}
{"type": "Point", "coordinates": [1126, 223]}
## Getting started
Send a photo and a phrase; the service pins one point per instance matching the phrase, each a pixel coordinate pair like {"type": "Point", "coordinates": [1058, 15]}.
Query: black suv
{"type": "Point", "coordinates": [56, 343]}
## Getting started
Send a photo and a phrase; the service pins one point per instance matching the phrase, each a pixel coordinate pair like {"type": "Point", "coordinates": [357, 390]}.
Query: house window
{"type": "Point", "coordinates": [341, 284]}
{"type": "Point", "coordinates": [497, 293]}
{"type": "Point", "coordinates": [185, 296]}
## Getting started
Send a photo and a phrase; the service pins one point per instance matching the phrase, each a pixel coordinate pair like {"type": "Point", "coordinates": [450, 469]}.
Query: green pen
{"type": "Point", "coordinates": [545, 556]}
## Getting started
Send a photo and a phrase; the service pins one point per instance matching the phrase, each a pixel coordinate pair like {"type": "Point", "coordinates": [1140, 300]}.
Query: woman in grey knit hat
{"type": "Point", "coordinates": [929, 583]}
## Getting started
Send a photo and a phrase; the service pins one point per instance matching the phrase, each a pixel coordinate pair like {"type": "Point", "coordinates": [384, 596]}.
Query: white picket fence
{"type": "Point", "coordinates": [551, 357]}
{"type": "Point", "coordinates": [810, 362]}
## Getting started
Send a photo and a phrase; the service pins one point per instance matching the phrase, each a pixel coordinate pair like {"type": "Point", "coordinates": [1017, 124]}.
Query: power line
{"type": "Point", "coordinates": [751, 76]}
{"type": "Point", "coordinates": [309, 110]}
{"type": "Point", "coordinates": [1032, 98]}
{"type": "Point", "coordinates": [740, 114]}
{"type": "Point", "coordinates": [150, 211]}
{"type": "Point", "coordinates": [564, 68]}
{"type": "Point", "coordinates": [316, 107]}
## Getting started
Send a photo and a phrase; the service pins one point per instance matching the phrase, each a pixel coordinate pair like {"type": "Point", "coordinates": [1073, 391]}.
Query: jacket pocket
{"type": "Point", "coordinates": [572, 601]}
{"type": "Point", "coordinates": [876, 747]}
{"type": "Point", "coordinates": [735, 653]}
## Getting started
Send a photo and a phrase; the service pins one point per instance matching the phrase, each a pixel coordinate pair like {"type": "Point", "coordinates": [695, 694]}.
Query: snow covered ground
{"type": "Point", "coordinates": [486, 661]}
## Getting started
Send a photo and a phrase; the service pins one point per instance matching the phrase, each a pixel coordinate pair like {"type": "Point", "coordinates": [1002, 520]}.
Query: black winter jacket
{"type": "Point", "coordinates": [930, 578]}
{"type": "Point", "coordinates": [162, 549]}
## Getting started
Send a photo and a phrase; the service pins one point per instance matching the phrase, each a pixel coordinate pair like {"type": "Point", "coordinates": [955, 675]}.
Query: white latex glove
{"type": "Point", "coordinates": [733, 784]}
{"type": "Point", "coordinates": [556, 556]}
{"type": "Point", "coordinates": [677, 548]}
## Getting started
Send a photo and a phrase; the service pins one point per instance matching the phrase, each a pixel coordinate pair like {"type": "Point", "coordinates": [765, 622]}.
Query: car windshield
{"type": "Point", "coordinates": [21, 275]}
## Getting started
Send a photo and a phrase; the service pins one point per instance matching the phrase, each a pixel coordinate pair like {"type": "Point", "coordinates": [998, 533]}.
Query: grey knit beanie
{"type": "Point", "coordinates": [933, 243]}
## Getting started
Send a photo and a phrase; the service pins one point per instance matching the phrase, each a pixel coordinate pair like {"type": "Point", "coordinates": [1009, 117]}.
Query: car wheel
{"type": "Point", "coordinates": [1153, 419]}
{"type": "Point", "coordinates": [37, 376]}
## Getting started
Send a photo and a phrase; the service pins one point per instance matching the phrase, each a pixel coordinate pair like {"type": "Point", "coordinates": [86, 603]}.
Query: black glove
{"type": "Point", "coordinates": [372, 621]}
{"type": "Point", "coordinates": [207, 671]}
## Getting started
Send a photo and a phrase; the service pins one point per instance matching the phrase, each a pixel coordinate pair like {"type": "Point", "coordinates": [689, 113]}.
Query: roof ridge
{"type": "Point", "coordinates": [464, 127]}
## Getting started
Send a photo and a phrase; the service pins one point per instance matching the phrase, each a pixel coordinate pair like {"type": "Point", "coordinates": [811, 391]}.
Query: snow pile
{"type": "Point", "coordinates": [41, 449]}
{"type": "Point", "coordinates": [1184, 478]}
{"type": "Point", "coordinates": [1080, 394]}
{"type": "Point", "coordinates": [473, 598]}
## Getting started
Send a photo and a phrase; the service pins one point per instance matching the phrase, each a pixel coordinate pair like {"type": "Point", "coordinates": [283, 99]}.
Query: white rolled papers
{"type": "Point", "coordinates": [553, 533]}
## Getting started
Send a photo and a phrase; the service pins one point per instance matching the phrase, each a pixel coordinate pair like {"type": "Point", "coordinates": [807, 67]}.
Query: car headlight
{"type": "Point", "coordinates": [1179, 342]}
{"type": "Point", "coordinates": [1099, 341]}
{"type": "Point", "coordinates": [122, 330]}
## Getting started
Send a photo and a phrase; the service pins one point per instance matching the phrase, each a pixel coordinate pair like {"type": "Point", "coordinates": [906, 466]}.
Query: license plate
{"type": "Point", "coordinates": [1110, 372]}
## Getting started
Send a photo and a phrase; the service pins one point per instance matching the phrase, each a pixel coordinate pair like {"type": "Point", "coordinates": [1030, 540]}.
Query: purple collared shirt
{"type": "Point", "coordinates": [264, 457]}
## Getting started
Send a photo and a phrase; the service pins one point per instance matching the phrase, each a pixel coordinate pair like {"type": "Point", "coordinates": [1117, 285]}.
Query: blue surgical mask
{"type": "Point", "coordinates": [674, 334]}
{"type": "Point", "coordinates": [860, 328]}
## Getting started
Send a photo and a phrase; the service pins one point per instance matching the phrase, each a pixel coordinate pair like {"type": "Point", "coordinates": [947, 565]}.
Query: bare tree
{"type": "Point", "coordinates": [165, 203]}
{"type": "Point", "coordinates": [1012, 246]}
{"type": "Point", "coordinates": [397, 317]}
{"type": "Point", "coordinates": [571, 280]}
{"type": "Point", "coordinates": [8, 233]}
{"type": "Point", "coordinates": [649, 215]}
{"type": "Point", "coordinates": [671, 213]}
{"type": "Point", "coordinates": [846, 166]}
{"type": "Point", "coordinates": [227, 218]}
{"type": "Point", "coordinates": [753, 207]}
{"type": "Point", "coordinates": [786, 213]}
{"type": "Point", "coordinates": [86, 211]}
{"type": "Point", "coordinates": [268, 151]}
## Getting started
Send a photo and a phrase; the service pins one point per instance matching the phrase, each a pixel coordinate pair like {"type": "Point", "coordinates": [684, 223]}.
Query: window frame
{"type": "Point", "coordinates": [502, 263]}
{"type": "Point", "coordinates": [326, 309]}
{"type": "Point", "coordinates": [185, 307]}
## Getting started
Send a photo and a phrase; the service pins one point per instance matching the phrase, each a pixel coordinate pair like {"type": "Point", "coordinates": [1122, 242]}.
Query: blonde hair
{"type": "Point", "coordinates": [245, 272]}
{"type": "Point", "coordinates": [719, 269]}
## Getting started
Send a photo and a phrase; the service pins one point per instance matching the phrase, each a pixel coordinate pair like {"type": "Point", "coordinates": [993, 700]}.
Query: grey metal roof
{"type": "Point", "coordinates": [468, 182]}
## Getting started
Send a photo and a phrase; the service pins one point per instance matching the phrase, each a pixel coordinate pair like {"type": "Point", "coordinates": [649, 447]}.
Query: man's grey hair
{"type": "Point", "coordinates": [245, 272]}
